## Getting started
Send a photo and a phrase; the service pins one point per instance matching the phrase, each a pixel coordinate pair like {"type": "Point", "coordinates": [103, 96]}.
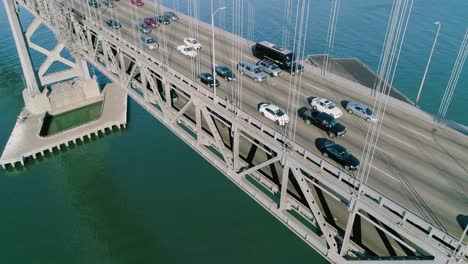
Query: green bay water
{"type": "Point", "coordinates": [54, 124]}
{"type": "Point", "coordinates": [143, 196]}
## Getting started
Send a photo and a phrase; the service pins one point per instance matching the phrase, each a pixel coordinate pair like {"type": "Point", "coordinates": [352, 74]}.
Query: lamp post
{"type": "Point", "coordinates": [213, 49]}
{"type": "Point", "coordinates": [429, 61]}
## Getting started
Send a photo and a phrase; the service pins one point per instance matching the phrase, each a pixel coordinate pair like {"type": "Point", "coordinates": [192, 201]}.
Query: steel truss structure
{"type": "Point", "coordinates": [23, 40]}
{"type": "Point", "coordinates": [224, 136]}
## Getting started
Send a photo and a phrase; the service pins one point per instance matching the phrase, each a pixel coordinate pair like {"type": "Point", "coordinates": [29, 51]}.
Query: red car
{"type": "Point", "coordinates": [151, 22]}
{"type": "Point", "coordinates": [137, 2]}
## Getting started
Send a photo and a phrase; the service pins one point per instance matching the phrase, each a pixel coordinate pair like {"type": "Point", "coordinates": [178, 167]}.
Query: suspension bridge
{"type": "Point", "coordinates": [402, 205]}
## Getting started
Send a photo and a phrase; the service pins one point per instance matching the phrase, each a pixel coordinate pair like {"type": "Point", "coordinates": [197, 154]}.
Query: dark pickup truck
{"type": "Point", "coordinates": [322, 120]}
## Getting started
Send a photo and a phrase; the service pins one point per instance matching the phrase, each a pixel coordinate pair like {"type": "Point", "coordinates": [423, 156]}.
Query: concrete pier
{"type": "Point", "coordinates": [25, 140]}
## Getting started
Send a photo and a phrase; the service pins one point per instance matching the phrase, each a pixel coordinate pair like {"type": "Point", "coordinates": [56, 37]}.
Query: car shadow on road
{"type": "Point", "coordinates": [320, 141]}
{"type": "Point", "coordinates": [462, 220]}
{"type": "Point", "coordinates": [344, 103]}
{"type": "Point", "coordinates": [309, 99]}
{"type": "Point", "coordinates": [260, 104]}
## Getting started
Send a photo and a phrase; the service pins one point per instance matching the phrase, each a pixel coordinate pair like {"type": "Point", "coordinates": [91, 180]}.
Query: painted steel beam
{"type": "Point", "coordinates": [29, 74]}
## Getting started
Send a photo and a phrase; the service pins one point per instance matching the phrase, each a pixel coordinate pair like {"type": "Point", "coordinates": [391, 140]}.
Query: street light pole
{"type": "Point", "coordinates": [213, 47]}
{"type": "Point", "coordinates": [429, 61]}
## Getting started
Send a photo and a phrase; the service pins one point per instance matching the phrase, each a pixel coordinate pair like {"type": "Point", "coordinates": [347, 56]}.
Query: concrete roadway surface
{"type": "Point", "coordinates": [422, 169]}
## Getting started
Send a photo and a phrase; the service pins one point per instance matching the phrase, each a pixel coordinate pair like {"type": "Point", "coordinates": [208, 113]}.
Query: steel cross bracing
{"type": "Point", "coordinates": [77, 68]}
{"type": "Point", "coordinates": [144, 77]}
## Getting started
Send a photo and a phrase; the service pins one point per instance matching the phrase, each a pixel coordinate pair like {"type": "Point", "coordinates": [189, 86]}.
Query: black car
{"type": "Point", "coordinates": [225, 73]}
{"type": "Point", "coordinates": [165, 20]}
{"type": "Point", "coordinates": [322, 120]}
{"type": "Point", "coordinates": [113, 23]}
{"type": "Point", "coordinates": [207, 78]}
{"type": "Point", "coordinates": [340, 154]}
{"type": "Point", "coordinates": [171, 15]}
{"type": "Point", "coordinates": [94, 3]}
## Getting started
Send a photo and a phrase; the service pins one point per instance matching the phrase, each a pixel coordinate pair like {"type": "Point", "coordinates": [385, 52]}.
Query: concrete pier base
{"type": "Point", "coordinates": [25, 140]}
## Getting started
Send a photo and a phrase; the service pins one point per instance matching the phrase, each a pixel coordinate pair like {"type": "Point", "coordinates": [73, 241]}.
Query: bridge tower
{"type": "Point", "coordinates": [34, 95]}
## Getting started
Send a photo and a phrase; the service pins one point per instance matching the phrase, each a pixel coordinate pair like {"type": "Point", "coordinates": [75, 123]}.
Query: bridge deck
{"type": "Point", "coordinates": [419, 164]}
{"type": "Point", "coordinates": [25, 140]}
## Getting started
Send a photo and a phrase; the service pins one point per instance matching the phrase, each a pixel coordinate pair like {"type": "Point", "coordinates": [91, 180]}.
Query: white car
{"type": "Point", "coordinates": [274, 113]}
{"type": "Point", "coordinates": [187, 51]}
{"type": "Point", "coordinates": [191, 42]}
{"type": "Point", "coordinates": [326, 106]}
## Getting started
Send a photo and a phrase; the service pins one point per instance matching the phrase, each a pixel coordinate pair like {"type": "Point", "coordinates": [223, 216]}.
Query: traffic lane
{"type": "Point", "coordinates": [183, 25]}
{"type": "Point", "coordinates": [253, 103]}
{"type": "Point", "coordinates": [131, 34]}
{"type": "Point", "coordinates": [449, 163]}
{"type": "Point", "coordinates": [271, 100]}
{"type": "Point", "coordinates": [393, 126]}
{"type": "Point", "coordinates": [407, 123]}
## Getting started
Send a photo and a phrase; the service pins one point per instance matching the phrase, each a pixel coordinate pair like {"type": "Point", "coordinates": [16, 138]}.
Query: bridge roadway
{"type": "Point", "coordinates": [423, 170]}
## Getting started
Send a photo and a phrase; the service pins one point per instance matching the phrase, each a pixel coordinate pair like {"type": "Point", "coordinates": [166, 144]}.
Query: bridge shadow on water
{"type": "Point", "coordinates": [104, 208]}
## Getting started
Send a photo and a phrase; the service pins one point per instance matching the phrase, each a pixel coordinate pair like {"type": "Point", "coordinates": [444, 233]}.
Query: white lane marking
{"type": "Point", "coordinates": [386, 174]}
{"type": "Point", "coordinates": [402, 142]}
{"type": "Point", "coordinates": [203, 37]}
{"type": "Point", "coordinates": [383, 151]}
{"type": "Point", "coordinates": [249, 57]}
{"type": "Point", "coordinates": [313, 86]}
{"type": "Point", "coordinates": [415, 132]}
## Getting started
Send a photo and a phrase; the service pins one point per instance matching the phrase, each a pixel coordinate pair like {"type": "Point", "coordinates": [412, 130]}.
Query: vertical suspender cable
{"type": "Point", "coordinates": [454, 77]}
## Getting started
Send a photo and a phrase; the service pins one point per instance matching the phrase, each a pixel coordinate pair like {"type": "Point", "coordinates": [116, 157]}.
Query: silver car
{"type": "Point", "coordinates": [171, 15]}
{"type": "Point", "coordinates": [252, 71]}
{"type": "Point", "coordinates": [270, 68]}
{"type": "Point", "coordinates": [143, 28]}
{"type": "Point", "coordinates": [149, 42]}
{"type": "Point", "coordinates": [361, 110]}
